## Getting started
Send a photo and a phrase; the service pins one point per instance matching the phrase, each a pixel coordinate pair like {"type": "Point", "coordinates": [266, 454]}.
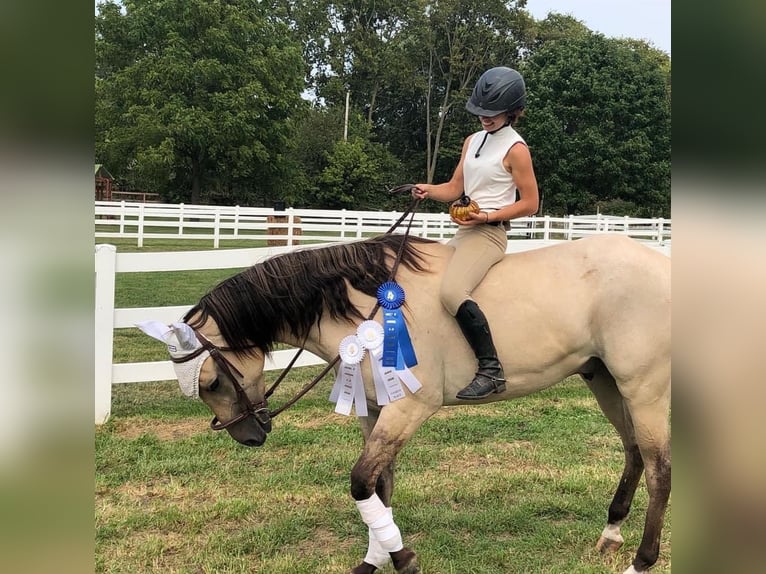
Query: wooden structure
{"type": "Point", "coordinates": [282, 230]}
{"type": "Point", "coordinates": [104, 183]}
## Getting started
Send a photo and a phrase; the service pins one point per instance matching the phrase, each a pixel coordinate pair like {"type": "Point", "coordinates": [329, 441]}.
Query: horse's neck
{"type": "Point", "coordinates": [419, 288]}
{"type": "Point", "coordinates": [322, 343]}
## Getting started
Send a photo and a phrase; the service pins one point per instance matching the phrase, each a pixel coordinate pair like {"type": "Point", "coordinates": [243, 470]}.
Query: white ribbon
{"type": "Point", "coordinates": [348, 389]}
{"type": "Point", "coordinates": [388, 387]}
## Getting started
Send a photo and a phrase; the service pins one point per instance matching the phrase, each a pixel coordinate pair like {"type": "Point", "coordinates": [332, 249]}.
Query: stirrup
{"type": "Point", "coordinates": [481, 387]}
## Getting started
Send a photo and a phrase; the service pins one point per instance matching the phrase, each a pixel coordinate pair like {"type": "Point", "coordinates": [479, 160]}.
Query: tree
{"type": "Point", "coordinates": [195, 95]}
{"type": "Point", "coordinates": [339, 174]}
{"type": "Point", "coordinates": [598, 125]}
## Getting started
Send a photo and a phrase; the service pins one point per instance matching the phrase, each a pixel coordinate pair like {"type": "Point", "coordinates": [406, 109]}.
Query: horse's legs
{"type": "Point", "coordinates": [639, 408]}
{"type": "Point", "coordinates": [372, 476]}
{"type": "Point", "coordinates": [604, 388]}
{"type": "Point", "coordinates": [376, 556]}
{"type": "Point", "coordinates": [652, 428]}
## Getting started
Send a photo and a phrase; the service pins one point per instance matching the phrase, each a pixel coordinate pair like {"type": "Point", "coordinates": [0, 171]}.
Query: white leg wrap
{"type": "Point", "coordinates": [375, 553]}
{"type": "Point", "coordinates": [381, 523]}
{"type": "Point", "coordinates": [632, 570]}
{"type": "Point", "coordinates": [612, 532]}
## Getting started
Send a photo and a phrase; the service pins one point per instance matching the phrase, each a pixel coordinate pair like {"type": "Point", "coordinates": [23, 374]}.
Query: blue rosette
{"type": "Point", "coordinates": [397, 345]}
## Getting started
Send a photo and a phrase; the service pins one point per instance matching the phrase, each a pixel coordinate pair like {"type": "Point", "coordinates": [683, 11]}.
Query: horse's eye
{"type": "Point", "coordinates": [214, 385]}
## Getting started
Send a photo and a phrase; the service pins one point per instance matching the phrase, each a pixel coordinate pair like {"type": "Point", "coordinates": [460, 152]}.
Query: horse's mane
{"type": "Point", "coordinates": [290, 292]}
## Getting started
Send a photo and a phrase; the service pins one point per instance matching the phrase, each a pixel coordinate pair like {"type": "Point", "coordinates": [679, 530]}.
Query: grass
{"type": "Point", "coordinates": [520, 486]}
{"type": "Point", "coordinates": [515, 487]}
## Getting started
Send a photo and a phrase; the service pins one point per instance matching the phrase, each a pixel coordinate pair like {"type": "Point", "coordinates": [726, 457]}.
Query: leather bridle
{"type": "Point", "coordinates": [260, 410]}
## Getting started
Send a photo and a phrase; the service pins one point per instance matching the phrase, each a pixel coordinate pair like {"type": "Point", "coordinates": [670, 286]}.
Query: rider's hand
{"type": "Point", "coordinates": [418, 192]}
{"type": "Point", "coordinates": [473, 219]}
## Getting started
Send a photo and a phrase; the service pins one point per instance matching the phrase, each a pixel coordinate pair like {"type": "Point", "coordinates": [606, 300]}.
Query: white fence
{"type": "Point", "coordinates": [141, 221]}
{"type": "Point", "coordinates": [108, 263]}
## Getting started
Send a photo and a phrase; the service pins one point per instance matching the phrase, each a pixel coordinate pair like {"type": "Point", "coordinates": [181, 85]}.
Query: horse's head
{"type": "Point", "coordinates": [232, 385]}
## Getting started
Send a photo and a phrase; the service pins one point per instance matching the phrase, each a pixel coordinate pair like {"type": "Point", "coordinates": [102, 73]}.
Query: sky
{"type": "Point", "coordinates": [641, 19]}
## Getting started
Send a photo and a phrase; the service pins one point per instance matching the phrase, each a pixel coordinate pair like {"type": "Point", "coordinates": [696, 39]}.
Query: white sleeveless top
{"type": "Point", "coordinates": [485, 179]}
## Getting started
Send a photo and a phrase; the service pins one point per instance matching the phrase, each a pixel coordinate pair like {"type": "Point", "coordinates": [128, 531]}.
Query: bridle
{"type": "Point", "coordinates": [260, 410]}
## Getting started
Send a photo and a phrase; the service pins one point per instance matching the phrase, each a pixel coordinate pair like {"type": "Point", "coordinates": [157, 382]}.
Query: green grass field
{"type": "Point", "coordinates": [516, 487]}
{"type": "Point", "coordinates": [521, 486]}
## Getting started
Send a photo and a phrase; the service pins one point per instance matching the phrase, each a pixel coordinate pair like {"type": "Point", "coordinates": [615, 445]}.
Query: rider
{"type": "Point", "coordinates": [495, 164]}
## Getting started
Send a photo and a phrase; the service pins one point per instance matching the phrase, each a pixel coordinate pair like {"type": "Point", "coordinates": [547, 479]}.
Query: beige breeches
{"type": "Point", "coordinates": [476, 250]}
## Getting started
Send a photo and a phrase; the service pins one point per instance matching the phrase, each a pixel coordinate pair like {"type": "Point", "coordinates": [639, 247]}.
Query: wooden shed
{"type": "Point", "coordinates": [104, 183]}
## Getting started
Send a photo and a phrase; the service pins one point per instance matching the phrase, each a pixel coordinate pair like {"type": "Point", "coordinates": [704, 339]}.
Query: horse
{"type": "Point", "coordinates": [598, 307]}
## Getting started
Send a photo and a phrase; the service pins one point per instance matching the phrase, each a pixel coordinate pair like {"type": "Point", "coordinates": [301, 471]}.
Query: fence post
{"type": "Point", "coordinates": [570, 227]}
{"type": "Point", "coordinates": [180, 219]}
{"type": "Point", "coordinates": [106, 258]}
{"type": "Point", "coordinates": [660, 230]}
{"type": "Point", "coordinates": [236, 221]}
{"type": "Point", "coordinates": [217, 228]}
{"type": "Point", "coordinates": [342, 223]}
{"type": "Point", "coordinates": [290, 226]}
{"type": "Point", "coordinates": [140, 224]}
{"type": "Point", "coordinates": [122, 217]}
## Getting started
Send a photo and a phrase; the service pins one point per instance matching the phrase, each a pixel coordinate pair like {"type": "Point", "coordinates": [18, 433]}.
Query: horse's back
{"type": "Point", "coordinates": [551, 309]}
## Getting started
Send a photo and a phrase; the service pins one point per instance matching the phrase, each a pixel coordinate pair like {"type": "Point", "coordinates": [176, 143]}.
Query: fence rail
{"type": "Point", "coordinates": [347, 226]}
{"type": "Point", "coordinates": [144, 221]}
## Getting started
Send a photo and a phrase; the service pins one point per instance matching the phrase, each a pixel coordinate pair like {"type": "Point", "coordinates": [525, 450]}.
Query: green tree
{"type": "Point", "coordinates": [598, 125]}
{"type": "Point", "coordinates": [193, 96]}
{"type": "Point", "coordinates": [332, 172]}
{"type": "Point", "coordinates": [351, 179]}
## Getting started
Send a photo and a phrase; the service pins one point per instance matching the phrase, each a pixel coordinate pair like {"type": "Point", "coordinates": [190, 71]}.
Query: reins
{"type": "Point", "coordinates": [411, 209]}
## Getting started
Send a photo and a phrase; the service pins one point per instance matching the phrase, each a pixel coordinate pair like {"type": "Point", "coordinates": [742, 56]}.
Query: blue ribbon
{"type": "Point", "coordinates": [397, 345]}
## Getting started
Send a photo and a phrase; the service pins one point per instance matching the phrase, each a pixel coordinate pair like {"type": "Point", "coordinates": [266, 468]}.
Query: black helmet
{"type": "Point", "coordinates": [498, 90]}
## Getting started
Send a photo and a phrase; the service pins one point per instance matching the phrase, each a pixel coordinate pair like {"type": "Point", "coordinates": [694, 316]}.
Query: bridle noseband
{"type": "Point", "coordinates": [249, 408]}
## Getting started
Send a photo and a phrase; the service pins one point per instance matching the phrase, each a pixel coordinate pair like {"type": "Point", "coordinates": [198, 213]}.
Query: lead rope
{"type": "Point", "coordinates": [411, 209]}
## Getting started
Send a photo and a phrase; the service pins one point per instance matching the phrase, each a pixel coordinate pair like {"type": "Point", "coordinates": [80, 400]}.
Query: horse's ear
{"type": "Point", "coordinates": [186, 336]}
{"type": "Point", "coordinates": [155, 329]}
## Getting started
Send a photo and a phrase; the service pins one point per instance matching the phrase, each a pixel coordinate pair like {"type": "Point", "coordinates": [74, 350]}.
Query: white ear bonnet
{"type": "Point", "coordinates": [181, 341]}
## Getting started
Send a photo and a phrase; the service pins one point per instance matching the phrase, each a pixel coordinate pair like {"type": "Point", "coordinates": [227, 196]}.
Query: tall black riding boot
{"type": "Point", "coordinates": [489, 377]}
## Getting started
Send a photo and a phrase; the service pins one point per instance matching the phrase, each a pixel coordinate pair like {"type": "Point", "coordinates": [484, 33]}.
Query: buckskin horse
{"type": "Point", "coordinates": [598, 307]}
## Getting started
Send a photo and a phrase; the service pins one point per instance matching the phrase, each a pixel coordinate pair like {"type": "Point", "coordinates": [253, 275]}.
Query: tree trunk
{"type": "Point", "coordinates": [428, 118]}
{"type": "Point", "coordinates": [373, 97]}
{"type": "Point", "coordinates": [443, 109]}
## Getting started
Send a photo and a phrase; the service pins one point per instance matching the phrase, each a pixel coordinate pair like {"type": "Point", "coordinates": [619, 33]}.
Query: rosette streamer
{"type": "Point", "coordinates": [387, 380]}
{"type": "Point", "coordinates": [348, 389]}
{"type": "Point", "coordinates": [397, 345]}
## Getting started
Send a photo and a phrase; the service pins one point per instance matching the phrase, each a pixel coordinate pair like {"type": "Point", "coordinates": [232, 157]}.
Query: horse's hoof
{"type": "Point", "coordinates": [608, 545]}
{"type": "Point", "coordinates": [364, 568]}
{"type": "Point", "coordinates": [405, 561]}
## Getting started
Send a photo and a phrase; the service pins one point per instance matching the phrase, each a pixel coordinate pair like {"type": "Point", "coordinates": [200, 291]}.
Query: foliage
{"type": "Point", "coordinates": [348, 177]}
{"type": "Point", "coordinates": [194, 95]}
{"type": "Point", "coordinates": [338, 174]}
{"type": "Point", "coordinates": [598, 125]}
{"type": "Point", "coordinates": [201, 100]}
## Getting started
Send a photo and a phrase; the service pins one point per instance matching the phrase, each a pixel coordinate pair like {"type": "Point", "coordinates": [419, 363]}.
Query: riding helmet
{"type": "Point", "coordinates": [498, 90]}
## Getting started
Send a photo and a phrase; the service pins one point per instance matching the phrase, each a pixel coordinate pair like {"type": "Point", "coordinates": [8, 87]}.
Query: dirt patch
{"type": "Point", "coordinates": [318, 420]}
{"type": "Point", "coordinates": [133, 427]}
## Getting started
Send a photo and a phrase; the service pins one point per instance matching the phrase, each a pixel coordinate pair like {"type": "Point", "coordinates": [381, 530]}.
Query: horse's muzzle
{"type": "Point", "coordinates": [252, 429]}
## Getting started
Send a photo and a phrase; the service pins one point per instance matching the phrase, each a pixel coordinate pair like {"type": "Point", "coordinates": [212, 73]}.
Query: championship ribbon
{"type": "Point", "coordinates": [397, 345]}
{"type": "Point", "coordinates": [348, 389]}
